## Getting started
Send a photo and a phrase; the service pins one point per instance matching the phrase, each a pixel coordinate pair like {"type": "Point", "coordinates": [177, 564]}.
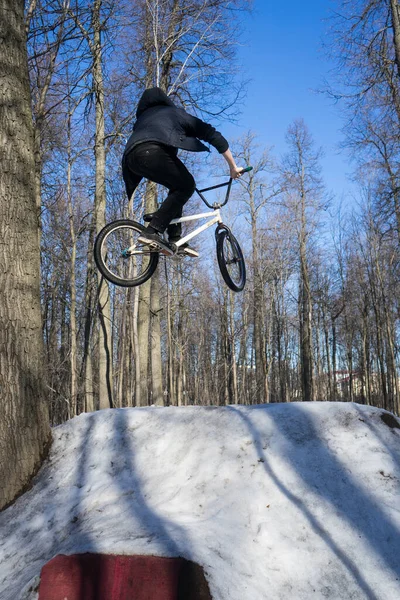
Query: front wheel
{"type": "Point", "coordinates": [230, 260]}
{"type": "Point", "coordinates": [120, 258]}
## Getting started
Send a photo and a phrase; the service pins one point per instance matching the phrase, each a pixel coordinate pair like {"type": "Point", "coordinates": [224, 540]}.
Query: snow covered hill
{"type": "Point", "coordinates": [276, 502]}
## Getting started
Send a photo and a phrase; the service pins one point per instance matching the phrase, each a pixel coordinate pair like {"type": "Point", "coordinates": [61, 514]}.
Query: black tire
{"type": "Point", "coordinates": [126, 270]}
{"type": "Point", "coordinates": [231, 260]}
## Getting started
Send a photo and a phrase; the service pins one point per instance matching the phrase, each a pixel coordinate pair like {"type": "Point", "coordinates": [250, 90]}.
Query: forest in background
{"type": "Point", "coordinates": [319, 317]}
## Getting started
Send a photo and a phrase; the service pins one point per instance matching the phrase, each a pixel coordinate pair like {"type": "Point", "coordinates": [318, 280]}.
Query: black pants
{"type": "Point", "coordinates": [160, 164]}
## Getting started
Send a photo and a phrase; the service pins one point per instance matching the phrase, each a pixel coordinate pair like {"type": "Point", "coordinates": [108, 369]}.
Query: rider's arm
{"type": "Point", "coordinates": [234, 170]}
{"type": "Point", "coordinates": [208, 133]}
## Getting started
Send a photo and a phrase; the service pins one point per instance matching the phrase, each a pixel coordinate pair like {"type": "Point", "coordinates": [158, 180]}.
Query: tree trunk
{"type": "Point", "coordinates": [171, 386]}
{"type": "Point", "coordinates": [136, 345]}
{"type": "Point", "coordinates": [156, 363]}
{"type": "Point", "coordinates": [24, 422]}
{"type": "Point", "coordinates": [144, 312]}
{"type": "Point", "coordinates": [233, 350]}
{"type": "Point", "coordinates": [142, 392]}
{"type": "Point", "coordinates": [87, 368]}
{"type": "Point", "coordinates": [334, 364]}
{"type": "Point", "coordinates": [104, 302]}
{"type": "Point", "coordinates": [389, 329]}
{"type": "Point", "coordinates": [305, 331]}
{"type": "Point", "coordinates": [327, 353]}
{"type": "Point", "coordinates": [123, 347]}
{"type": "Point", "coordinates": [258, 301]}
{"type": "Point", "coordinates": [73, 327]}
{"type": "Point", "coordinates": [395, 14]}
{"type": "Point", "coordinates": [305, 312]}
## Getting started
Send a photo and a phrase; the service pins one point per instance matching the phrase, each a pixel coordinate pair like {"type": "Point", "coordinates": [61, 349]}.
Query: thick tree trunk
{"type": "Point", "coordinates": [24, 422]}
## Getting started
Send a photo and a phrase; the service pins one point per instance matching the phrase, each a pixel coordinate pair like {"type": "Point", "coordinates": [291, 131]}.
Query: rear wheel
{"type": "Point", "coordinates": [230, 260]}
{"type": "Point", "coordinates": [120, 258]}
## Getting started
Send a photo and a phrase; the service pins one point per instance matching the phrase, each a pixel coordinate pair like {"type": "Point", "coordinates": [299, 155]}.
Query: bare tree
{"type": "Point", "coordinates": [376, 150]}
{"type": "Point", "coordinates": [303, 192]}
{"type": "Point", "coordinates": [48, 29]}
{"type": "Point", "coordinates": [256, 192]}
{"type": "Point", "coordinates": [366, 46]}
{"type": "Point", "coordinates": [24, 425]}
{"type": "Point", "coordinates": [92, 23]}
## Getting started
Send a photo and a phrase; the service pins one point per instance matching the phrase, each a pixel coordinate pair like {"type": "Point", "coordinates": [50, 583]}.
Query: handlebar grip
{"type": "Point", "coordinates": [247, 169]}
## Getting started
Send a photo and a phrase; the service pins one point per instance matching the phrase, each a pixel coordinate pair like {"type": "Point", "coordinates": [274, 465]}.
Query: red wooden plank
{"type": "Point", "coordinates": [108, 577]}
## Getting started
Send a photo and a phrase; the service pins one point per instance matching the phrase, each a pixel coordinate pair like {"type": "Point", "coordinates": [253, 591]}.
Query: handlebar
{"type": "Point", "coordinates": [214, 187]}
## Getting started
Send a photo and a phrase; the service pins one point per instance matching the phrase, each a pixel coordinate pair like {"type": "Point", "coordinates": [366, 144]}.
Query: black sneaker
{"type": "Point", "coordinates": [155, 241]}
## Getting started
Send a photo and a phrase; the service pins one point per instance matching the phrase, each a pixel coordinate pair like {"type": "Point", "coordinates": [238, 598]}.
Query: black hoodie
{"type": "Point", "coordinates": [159, 120]}
{"type": "Point", "coordinates": [153, 97]}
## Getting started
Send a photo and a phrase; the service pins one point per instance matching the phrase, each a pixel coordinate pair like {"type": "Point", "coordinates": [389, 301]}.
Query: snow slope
{"type": "Point", "coordinates": [276, 502]}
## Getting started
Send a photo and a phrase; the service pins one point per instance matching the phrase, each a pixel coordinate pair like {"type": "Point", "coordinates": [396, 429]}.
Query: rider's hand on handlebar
{"type": "Point", "coordinates": [235, 172]}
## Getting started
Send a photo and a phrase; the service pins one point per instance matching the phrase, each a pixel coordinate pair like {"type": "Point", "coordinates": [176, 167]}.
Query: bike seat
{"type": "Point", "coordinates": [148, 217]}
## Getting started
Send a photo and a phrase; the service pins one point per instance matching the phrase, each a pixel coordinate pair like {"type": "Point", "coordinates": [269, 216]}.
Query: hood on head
{"type": "Point", "coordinates": [152, 97]}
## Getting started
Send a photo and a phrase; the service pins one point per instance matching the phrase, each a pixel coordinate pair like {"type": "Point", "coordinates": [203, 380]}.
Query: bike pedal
{"type": "Point", "coordinates": [161, 249]}
{"type": "Point", "coordinates": [165, 252]}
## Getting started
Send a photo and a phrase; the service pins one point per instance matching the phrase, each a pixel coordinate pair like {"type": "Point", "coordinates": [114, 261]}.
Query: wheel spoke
{"type": "Point", "coordinates": [120, 257]}
{"type": "Point", "coordinates": [231, 260]}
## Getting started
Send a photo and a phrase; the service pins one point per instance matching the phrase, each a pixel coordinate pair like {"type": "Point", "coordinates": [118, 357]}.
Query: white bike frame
{"type": "Point", "coordinates": [213, 216]}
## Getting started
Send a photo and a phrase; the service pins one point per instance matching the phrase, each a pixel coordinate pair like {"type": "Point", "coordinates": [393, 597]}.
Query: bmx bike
{"type": "Point", "coordinates": [124, 261]}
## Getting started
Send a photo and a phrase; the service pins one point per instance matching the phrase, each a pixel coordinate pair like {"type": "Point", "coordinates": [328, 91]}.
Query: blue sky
{"type": "Point", "coordinates": [285, 60]}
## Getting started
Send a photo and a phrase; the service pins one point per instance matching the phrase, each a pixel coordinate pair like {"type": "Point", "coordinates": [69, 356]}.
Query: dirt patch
{"type": "Point", "coordinates": [192, 583]}
{"type": "Point", "coordinates": [390, 421]}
